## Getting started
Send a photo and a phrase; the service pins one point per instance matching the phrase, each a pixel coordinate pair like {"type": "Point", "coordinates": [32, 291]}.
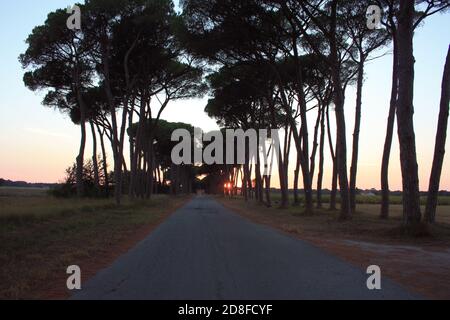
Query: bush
{"type": "Point", "coordinates": [69, 189]}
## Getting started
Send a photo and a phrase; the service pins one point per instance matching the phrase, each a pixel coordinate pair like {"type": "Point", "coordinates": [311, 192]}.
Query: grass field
{"type": "Point", "coordinates": [40, 236]}
{"type": "Point", "coordinates": [365, 224]}
{"type": "Point", "coordinates": [13, 192]}
{"type": "Point", "coordinates": [365, 199]}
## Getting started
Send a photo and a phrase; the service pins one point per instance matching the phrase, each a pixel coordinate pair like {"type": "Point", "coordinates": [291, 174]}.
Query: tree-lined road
{"type": "Point", "coordinates": [205, 251]}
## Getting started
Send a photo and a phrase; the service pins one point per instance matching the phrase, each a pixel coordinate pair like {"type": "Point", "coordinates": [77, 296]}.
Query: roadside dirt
{"type": "Point", "coordinates": [424, 269]}
{"type": "Point", "coordinates": [57, 289]}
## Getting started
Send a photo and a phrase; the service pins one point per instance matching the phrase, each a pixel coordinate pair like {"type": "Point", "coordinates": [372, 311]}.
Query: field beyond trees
{"type": "Point", "coordinates": [40, 236]}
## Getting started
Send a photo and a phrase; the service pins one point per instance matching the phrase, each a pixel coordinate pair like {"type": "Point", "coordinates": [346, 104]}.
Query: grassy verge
{"type": "Point", "coordinates": [362, 198]}
{"type": "Point", "coordinates": [40, 236]}
{"type": "Point", "coordinates": [365, 224]}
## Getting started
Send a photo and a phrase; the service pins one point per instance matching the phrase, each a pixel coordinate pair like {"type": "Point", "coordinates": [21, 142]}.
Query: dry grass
{"type": "Point", "coordinates": [365, 224]}
{"type": "Point", "coordinates": [40, 236]}
{"type": "Point", "coordinates": [14, 192]}
{"type": "Point", "coordinates": [365, 199]}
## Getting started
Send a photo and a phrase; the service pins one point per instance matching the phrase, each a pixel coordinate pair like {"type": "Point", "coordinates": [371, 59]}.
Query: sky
{"type": "Point", "coordinates": [37, 143]}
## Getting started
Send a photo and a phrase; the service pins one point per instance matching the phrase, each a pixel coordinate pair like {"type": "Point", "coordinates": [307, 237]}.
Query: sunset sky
{"type": "Point", "coordinates": [38, 143]}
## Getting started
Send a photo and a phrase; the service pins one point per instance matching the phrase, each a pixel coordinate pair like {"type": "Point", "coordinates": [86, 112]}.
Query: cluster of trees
{"type": "Point", "coordinates": [278, 61]}
{"type": "Point", "coordinates": [267, 64]}
{"type": "Point", "coordinates": [125, 64]}
{"type": "Point", "coordinates": [94, 181]}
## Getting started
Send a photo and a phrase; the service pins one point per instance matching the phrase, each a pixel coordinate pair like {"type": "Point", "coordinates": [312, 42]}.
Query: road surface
{"type": "Point", "coordinates": [205, 251]}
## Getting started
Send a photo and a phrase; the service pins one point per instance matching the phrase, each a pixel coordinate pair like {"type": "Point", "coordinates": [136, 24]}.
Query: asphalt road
{"type": "Point", "coordinates": [205, 251]}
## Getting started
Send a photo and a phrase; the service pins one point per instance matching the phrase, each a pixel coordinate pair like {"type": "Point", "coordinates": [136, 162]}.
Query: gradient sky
{"type": "Point", "coordinates": [38, 143]}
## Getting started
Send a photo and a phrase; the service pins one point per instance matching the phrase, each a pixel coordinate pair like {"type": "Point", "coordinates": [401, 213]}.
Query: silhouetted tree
{"type": "Point", "coordinates": [405, 111]}
{"type": "Point", "coordinates": [439, 149]}
{"type": "Point", "coordinates": [324, 23]}
{"type": "Point", "coordinates": [390, 22]}
{"type": "Point", "coordinates": [365, 42]}
{"type": "Point", "coordinates": [57, 57]}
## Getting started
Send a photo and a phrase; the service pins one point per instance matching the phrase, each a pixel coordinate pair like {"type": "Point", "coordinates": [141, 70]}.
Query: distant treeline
{"type": "Point", "coordinates": [23, 184]}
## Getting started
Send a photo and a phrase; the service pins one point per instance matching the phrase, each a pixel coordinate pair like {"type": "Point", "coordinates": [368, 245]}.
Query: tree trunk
{"type": "Point", "coordinates": [296, 177]}
{"type": "Point", "coordinates": [354, 165]}
{"type": "Point", "coordinates": [151, 167]}
{"type": "Point", "coordinates": [244, 181]}
{"type": "Point", "coordinates": [267, 183]}
{"type": "Point", "coordinates": [267, 172]}
{"type": "Point", "coordinates": [339, 97]}
{"type": "Point", "coordinates": [334, 183]}
{"type": "Point", "coordinates": [80, 157]}
{"type": "Point", "coordinates": [283, 183]}
{"type": "Point", "coordinates": [321, 159]}
{"type": "Point", "coordinates": [304, 160]}
{"type": "Point", "coordinates": [304, 165]}
{"type": "Point", "coordinates": [132, 150]}
{"type": "Point", "coordinates": [315, 143]}
{"type": "Point", "coordinates": [104, 161]}
{"type": "Point", "coordinates": [439, 149]}
{"type": "Point", "coordinates": [280, 154]}
{"type": "Point", "coordinates": [258, 184]}
{"type": "Point", "coordinates": [384, 213]}
{"type": "Point", "coordinates": [405, 112]}
{"type": "Point", "coordinates": [341, 157]}
{"type": "Point", "coordinates": [334, 158]}
{"type": "Point", "coordinates": [303, 152]}
{"type": "Point", "coordinates": [94, 157]}
{"type": "Point", "coordinates": [139, 173]}
{"type": "Point", "coordinates": [286, 170]}
{"type": "Point", "coordinates": [250, 182]}
{"type": "Point", "coordinates": [115, 134]}
{"type": "Point", "coordinates": [135, 164]}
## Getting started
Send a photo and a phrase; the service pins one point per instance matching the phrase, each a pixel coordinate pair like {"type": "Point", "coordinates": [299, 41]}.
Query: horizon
{"type": "Point", "coordinates": [272, 188]}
